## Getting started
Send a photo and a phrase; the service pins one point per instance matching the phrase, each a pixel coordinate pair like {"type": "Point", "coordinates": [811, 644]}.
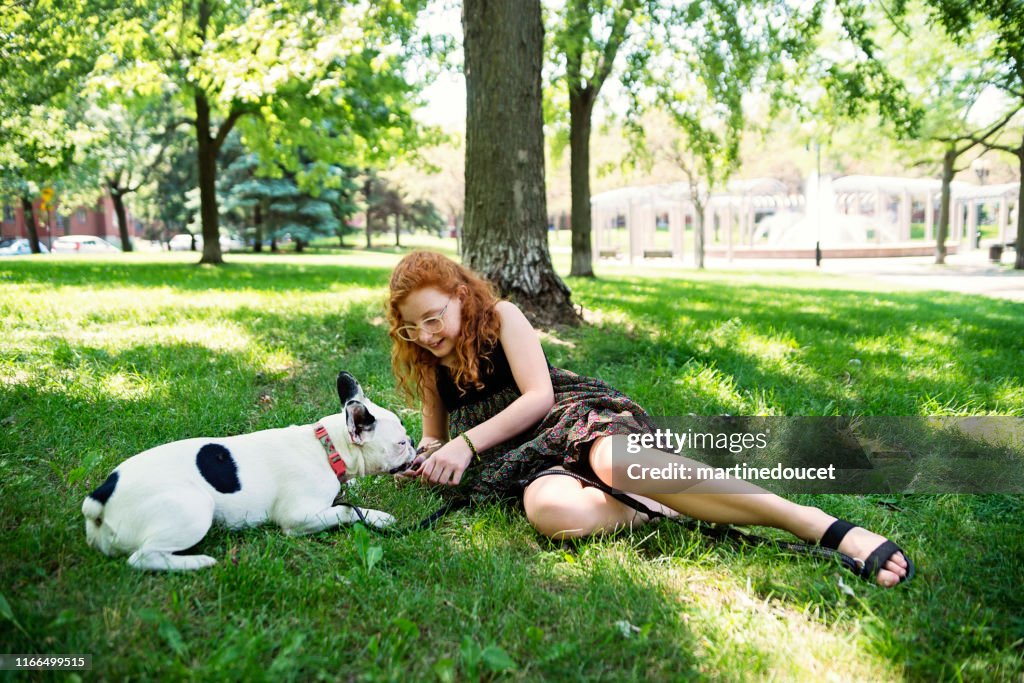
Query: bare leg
{"type": "Point", "coordinates": [561, 507]}
{"type": "Point", "coordinates": [734, 502]}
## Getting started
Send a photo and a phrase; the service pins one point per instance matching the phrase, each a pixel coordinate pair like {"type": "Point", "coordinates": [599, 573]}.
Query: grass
{"type": "Point", "coordinates": [102, 358]}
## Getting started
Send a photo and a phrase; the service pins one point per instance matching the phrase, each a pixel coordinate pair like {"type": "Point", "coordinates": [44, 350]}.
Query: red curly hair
{"type": "Point", "coordinates": [415, 368]}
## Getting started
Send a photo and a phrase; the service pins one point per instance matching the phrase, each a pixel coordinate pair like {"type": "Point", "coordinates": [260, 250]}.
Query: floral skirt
{"type": "Point", "coordinates": [584, 410]}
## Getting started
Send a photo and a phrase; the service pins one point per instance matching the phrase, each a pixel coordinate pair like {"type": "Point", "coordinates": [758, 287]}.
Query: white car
{"type": "Point", "coordinates": [183, 242]}
{"type": "Point", "coordinates": [82, 244]}
{"type": "Point", "coordinates": [17, 246]}
{"type": "Point", "coordinates": [231, 244]}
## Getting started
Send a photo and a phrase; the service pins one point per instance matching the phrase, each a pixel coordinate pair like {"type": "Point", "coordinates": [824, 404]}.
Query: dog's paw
{"type": "Point", "coordinates": [378, 519]}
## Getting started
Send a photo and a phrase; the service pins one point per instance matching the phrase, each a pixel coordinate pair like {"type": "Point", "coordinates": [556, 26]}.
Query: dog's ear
{"type": "Point", "coordinates": [359, 421]}
{"type": "Point", "coordinates": [348, 389]}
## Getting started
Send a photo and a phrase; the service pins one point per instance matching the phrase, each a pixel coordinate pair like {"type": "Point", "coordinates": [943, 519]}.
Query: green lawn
{"type": "Point", "coordinates": [101, 358]}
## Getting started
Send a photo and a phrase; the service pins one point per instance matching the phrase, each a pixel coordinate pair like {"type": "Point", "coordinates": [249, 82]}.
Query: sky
{"type": "Point", "coordinates": [446, 102]}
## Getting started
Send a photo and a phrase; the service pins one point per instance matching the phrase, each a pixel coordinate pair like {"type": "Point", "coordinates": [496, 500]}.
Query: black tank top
{"type": "Point", "coordinates": [495, 375]}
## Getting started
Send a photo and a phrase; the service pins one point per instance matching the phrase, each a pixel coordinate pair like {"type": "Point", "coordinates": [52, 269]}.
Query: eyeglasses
{"type": "Point", "coordinates": [431, 325]}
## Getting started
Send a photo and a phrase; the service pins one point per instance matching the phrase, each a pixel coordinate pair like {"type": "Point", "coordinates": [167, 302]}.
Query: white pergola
{"type": "Point", "coordinates": [1006, 197]}
{"type": "Point", "coordinates": [875, 195]}
{"type": "Point", "coordinates": [734, 211]}
{"type": "Point", "coordinates": [625, 220]}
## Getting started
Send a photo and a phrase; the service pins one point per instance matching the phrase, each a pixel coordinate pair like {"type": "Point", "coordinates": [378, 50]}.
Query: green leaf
{"type": "Point", "coordinates": [7, 613]}
{"type": "Point", "coordinates": [497, 659]}
{"type": "Point", "coordinates": [172, 636]}
{"type": "Point", "coordinates": [373, 556]}
{"type": "Point", "coordinates": [444, 669]}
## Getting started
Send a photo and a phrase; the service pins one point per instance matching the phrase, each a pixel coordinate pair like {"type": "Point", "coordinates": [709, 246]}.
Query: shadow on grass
{"type": "Point", "coordinates": [554, 617]}
{"type": "Point", "coordinates": [265, 277]}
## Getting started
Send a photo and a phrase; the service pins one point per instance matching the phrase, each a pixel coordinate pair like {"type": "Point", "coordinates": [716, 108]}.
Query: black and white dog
{"type": "Point", "coordinates": [165, 499]}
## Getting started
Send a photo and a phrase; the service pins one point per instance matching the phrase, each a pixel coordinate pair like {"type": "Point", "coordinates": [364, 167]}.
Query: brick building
{"type": "Point", "coordinates": [99, 220]}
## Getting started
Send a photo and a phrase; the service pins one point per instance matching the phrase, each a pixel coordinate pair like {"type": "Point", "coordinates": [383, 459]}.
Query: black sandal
{"type": "Point", "coordinates": [866, 569]}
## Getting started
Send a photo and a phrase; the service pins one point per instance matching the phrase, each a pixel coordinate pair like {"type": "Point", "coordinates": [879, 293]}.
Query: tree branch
{"type": "Point", "coordinates": [615, 40]}
{"type": "Point", "coordinates": [573, 50]}
{"type": "Point", "coordinates": [229, 123]}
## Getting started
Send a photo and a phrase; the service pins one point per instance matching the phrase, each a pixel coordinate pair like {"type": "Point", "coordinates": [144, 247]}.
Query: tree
{"type": "Point", "coordinates": [175, 178]}
{"type": "Point", "coordinates": [328, 78]}
{"type": "Point", "coordinates": [275, 203]}
{"type": "Point", "coordinates": [1003, 23]}
{"type": "Point", "coordinates": [719, 56]}
{"type": "Point", "coordinates": [129, 145]}
{"type": "Point", "coordinates": [944, 81]}
{"type": "Point", "coordinates": [587, 40]}
{"type": "Point", "coordinates": [44, 56]}
{"type": "Point", "coordinates": [505, 231]}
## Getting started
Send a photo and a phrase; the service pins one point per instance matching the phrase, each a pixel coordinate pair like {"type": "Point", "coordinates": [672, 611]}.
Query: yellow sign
{"type": "Point", "coordinates": [47, 195]}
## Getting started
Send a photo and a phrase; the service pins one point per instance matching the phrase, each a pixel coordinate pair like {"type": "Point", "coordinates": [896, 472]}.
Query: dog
{"type": "Point", "coordinates": [164, 500]}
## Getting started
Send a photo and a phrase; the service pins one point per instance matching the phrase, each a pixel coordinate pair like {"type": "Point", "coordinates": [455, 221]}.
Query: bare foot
{"type": "Point", "coordinates": [859, 543]}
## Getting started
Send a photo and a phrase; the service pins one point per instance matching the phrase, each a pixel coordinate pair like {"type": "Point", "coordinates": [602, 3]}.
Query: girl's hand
{"type": "Point", "coordinates": [447, 463]}
{"type": "Point", "coordinates": [425, 449]}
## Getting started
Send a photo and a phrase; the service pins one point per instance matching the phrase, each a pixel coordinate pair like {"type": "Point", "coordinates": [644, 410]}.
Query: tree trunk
{"type": "Point", "coordinates": [581, 107]}
{"type": "Point", "coordinates": [398, 229]}
{"type": "Point", "coordinates": [299, 246]}
{"type": "Point", "coordinates": [367, 188]}
{"type": "Point", "coordinates": [207, 158]}
{"type": "Point", "coordinates": [29, 215]}
{"type": "Point", "coordinates": [942, 233]}
{"type": "Point", "coordinates": [698, 234]}
{"type": "Point", "coordinates": [257, 222]}
{"type": "Point", "coordinates": [505, 232]}
{"type": "Point", "coordinates": [1018, 262]}
{"type": "Point", "coordinates": [122, 217]}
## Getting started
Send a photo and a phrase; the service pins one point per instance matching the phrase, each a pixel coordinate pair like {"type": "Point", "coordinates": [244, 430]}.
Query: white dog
{"type": "Point", "coordinates": [164, 500]}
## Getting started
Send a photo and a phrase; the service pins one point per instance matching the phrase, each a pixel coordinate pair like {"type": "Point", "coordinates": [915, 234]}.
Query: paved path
{"type": "Point", "coordinates": [969, 273]}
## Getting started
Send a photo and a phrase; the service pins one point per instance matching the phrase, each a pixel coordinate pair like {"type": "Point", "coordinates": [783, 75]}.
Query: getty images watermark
{"type": "Point", "coordinates": [688, 471]}
{"type": "Point", "coordinates": [822, 455]}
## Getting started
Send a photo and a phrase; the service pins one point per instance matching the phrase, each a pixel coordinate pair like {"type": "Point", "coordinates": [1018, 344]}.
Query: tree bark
{"type": "Point", "coordinates": [122, 217]}
{"type": "Point", "coordinates": [505, 232]}
{"type": "Point", "coordinates": [367, 188]}
{"type": "Point", "coordinates": [698, 235]}
{"type": "Point", "coordinates": [207, 159]}
{"type": "Point", "coordinates": [257, 222]}
{"type": "Point", "coordinates": [398, 229]}
{"type": "Point", "coordinates": [581, 107]}
{"type": "Point", "coordinates": [29, 215]}
{"type": "Point", "coordinates": [942, 233]}
{"type": "Point", "coordinates": [1018, 262]}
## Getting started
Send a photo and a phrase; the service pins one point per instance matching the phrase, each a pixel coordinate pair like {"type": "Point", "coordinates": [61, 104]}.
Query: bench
{"type": "Point", "coordinates": [609, 253]}
{"type": "Point", "coordinates": [658, 253]}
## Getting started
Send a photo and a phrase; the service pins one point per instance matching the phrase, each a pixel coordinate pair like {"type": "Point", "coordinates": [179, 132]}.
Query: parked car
{"type": "Point", "coordinates": [17, 246]}
{"type": "Point", "coordinates": [82, 244]}
{"type": "Point", "coordinates": [231, 244]}
{"type": "Point", "coordinates": [183, 242]}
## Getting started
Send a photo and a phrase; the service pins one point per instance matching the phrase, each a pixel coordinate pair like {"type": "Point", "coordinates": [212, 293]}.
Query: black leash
{"type": "Point", "coordinates": [717, 532]}
{"type": "Point", "coordinates": [451, 505]}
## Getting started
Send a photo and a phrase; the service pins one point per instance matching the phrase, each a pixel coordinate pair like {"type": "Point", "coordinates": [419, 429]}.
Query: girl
{"type": "Point", "coordinates": [478, 369]}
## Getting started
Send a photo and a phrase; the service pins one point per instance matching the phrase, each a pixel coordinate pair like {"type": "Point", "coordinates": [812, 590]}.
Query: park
{"type": "Point", "coordinates": [722, 209]}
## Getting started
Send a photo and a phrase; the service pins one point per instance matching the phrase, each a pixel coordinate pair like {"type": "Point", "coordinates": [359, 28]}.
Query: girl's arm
{"type": "Point", "coordinates": [434, 418]}
{"type": "Point", "coordinates": [530, 371]}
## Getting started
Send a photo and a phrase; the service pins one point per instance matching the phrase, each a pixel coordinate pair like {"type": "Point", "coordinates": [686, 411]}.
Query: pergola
{"type": "Point", "coordinates": [891, 201]}
{"type": "Point", "coordinates": [627, 221]}
{"type": "Point", "coordinates": [967, 200]}
{"type": "Point", "coordinates": [651, 221]}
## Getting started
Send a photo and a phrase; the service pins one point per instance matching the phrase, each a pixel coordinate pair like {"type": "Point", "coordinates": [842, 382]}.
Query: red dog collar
{"type": "Point", "coordinates": [333, 457]}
